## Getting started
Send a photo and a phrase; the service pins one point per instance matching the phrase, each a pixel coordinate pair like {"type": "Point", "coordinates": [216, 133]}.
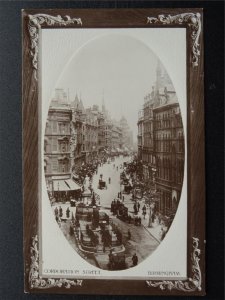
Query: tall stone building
{"type": "Point", "coordinates": [169, 155]}
{"type": "Point", "coordinates": [148, 141]}
{"type": "Point", "coordinates": [101, 132]}
{"type": "Point", "coordinates": [77, 133]}
{"type": "Point", "coordinates": [91, 135]}
{"type": "Point", "coordinates": [161, 142]}
{"type": "Point", "coordinates": [57, 158]}
{"type": "Point", "coordinates": [140, 136]}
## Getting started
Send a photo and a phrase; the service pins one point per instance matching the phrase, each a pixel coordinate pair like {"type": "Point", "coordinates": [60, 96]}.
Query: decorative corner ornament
{"type": "Point", "coordinates": [37, 281]}
{"type": "Point", "coordinates": [35, 22]}
{"type": "Point", "coordinates": [193, 20]}
{"type": "Point", "coordinates": [192, 284]}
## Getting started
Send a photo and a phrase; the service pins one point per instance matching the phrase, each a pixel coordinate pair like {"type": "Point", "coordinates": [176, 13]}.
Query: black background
{"type": "Point", "coordinates": [11, 207]}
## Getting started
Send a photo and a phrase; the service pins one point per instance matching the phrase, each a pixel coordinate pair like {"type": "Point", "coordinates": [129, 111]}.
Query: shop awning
{"type": "Point", "coordinates": [60, 185]}
{"type": "Point", "coordinates": [72, 185]}
{"type": "Point", "coordinates": [65, 185]}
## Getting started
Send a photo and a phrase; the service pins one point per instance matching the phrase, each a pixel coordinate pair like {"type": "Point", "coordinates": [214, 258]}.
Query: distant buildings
{"type": "Point", "coordinates": [127, 135]}
{"type": "Point", "coordinates": [161, 143]}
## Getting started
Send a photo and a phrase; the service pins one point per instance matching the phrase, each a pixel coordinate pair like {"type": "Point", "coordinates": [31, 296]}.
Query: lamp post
{"type": "Point", "coordinates": [58, 190]}
{"type": "Point", "coordinates": [151, 206]}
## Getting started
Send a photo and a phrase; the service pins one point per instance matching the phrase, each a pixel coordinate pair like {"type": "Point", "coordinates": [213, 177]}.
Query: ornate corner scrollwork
{"type": "Point", "coordinates": [34, 24]}
{"type": "Point", "coordinates": [193, 20]}
{"type": "Point", "coordinates": [192, 284]}
{"type": "Point", "coordinates": [37, 281]}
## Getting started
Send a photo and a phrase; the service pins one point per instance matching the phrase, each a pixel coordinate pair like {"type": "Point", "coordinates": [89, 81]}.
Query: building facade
{"type": "Point", "coordinates": [161, 143]}
{"type": "Point", "coordinates": [148, 157]}
{"type": "Point", "coordinates": [57, 140]}
{"type": "Point", "coordinates": [127, 135]}
{"type": "Point", "coordinates": [75, 135]}
{"type": "Point", "coordinates": [90, 148]}
{"type": "Point", "coordinates": [140, 137]}
{"type": "Point", "coordinates": [169, 154]}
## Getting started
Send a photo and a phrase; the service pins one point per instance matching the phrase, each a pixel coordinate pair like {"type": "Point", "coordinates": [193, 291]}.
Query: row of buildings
{"type": "Point", "coordinates": [161, 143]}
{"type": "Point", "coordinates": [75, 135]}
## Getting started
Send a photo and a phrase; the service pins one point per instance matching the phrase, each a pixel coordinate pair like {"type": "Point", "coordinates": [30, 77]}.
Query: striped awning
{"type": "Point", "coordinates": [60, 185]}
{"type": "Point", "coordinates": [72, 185]}
{"type": "Point", "coordinates": [65, 185]}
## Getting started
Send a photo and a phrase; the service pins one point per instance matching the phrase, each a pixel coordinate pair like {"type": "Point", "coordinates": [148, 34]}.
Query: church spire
{"type": "Point", "coordinates": [158, 75]}
{"type": "Point", "coordinates": [103, 102]}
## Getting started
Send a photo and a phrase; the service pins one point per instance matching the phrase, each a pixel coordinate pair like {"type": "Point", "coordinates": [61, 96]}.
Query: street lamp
{"type": "Point", "coordinates": [58, 191]}
{"type": "Point", "coordinates": [151, 206]}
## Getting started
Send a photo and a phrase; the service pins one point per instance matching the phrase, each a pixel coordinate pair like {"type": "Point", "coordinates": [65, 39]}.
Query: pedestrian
{"type": "Point", "coordinates": [159, 219]}
{"type": "Point", "coordinates": [71, 229]}
{"type": "Point", "coordinates": [68, 212]}
{"type": "Point", "coordinates": [163, 233]}
{"type": "Point", "coordinates": [112, 206]}
{"type": "Point", "coordinates": [123, 198]}
{"type": "Point", "coordinates": [135, 259]}
{"type": "Point", "coordinates": [129, 219]}
{"type": "Point", "coordinates": [135, 208]}
{"type": "Point", "coordinates": [56, 211]}
{"type": "Point", "coordinates": [138, 206]}
{"type": "Point", "coordinates": [128, 234]}
{"type": "Point", "coordinates": [139, 221]}
{"type": "Point", "coordinates": [109, 180]}
{"type": "Point", "coordinates": [144, 211]}
{"type": "Point", "coordinates": [60, 212]}
{"type": "Point", "coordinates": [153, 217]}
{"type": "Point", "coordinates": [111, 260]}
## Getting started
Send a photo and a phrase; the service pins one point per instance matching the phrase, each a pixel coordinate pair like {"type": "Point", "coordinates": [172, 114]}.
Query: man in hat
{"type": "Point", "coordinates": [135, 259]}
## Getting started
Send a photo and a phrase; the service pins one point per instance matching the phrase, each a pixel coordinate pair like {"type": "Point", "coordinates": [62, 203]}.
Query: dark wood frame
{"type": "Point", "coordinates": [192, 20]}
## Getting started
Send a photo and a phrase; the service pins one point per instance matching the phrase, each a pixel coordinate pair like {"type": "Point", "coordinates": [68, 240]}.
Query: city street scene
{"type": "Point", "coordinates": [114, 177]}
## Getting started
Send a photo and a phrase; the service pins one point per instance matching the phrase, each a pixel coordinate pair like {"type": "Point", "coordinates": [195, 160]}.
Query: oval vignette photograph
{"type": "Point", "coordinates": [114, 152]}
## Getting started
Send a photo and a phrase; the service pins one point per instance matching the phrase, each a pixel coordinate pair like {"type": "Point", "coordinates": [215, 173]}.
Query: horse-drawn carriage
{"type": "Point", "coordinates": [117, 261]}
{"type": "Point", "coordinates": [102, 185]}
{"type": "Point", "coordinates": [127, 188]}
{"type": "Point", "coordinates": [122, 212]}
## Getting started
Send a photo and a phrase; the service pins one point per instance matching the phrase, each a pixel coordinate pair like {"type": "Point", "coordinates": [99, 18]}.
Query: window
{"type": "Point", "coordinates": [54, 144]}
{"type": "Point", "coordinates": [64, 166]}
{"type": "Point", "coordinates": [54, 165]}
{"type": "Point", "coordinates": [54, 126]}
{"type": "Point", "coordinates": [48, 128]}
{"type": "Point", "coordinates": [62, 128]}
{"type": "Point", "coordinates": [64, 146]}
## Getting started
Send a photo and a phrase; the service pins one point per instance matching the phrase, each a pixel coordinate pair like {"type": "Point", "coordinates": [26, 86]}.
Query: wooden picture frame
{"type": "Point", "coordinates": [192, 21]}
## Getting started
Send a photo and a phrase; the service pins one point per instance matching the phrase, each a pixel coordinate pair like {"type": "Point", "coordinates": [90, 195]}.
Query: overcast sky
{"type": "Point", "coordinates": [118, 65]}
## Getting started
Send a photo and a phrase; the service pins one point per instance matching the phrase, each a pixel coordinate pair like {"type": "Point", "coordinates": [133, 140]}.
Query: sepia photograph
{"type": "Point", "coordinates": [114, 114]}
{"type": "Point", "coordinates": [114, 152]}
